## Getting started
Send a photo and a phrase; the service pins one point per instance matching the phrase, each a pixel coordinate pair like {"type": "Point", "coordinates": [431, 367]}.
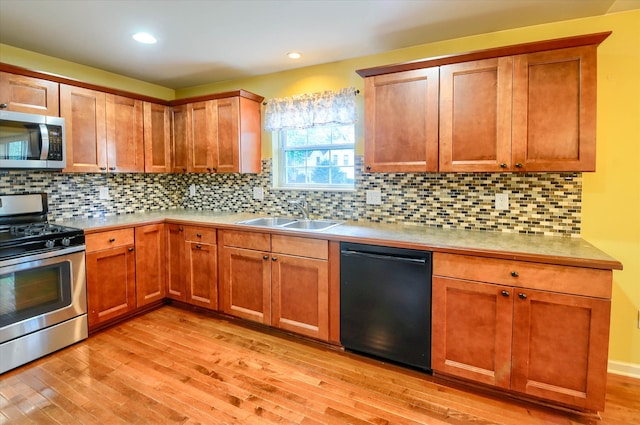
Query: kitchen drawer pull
{"type": "Point", "coordinates": [103, 168]}
{"type": "Point", "coordinates": [265, 257]}
{"type": "Point", "coordinates": [522, 295]}
{"type": "Point", "coordinates": [198, 246]}
{"type": "Point", "coordinates": [112, 240]}
{"type": "Point", "coordinates": [131, 249]}
{"type": "Point", "coordinates": [199, 235]}
{"type": "Point", "coordinates": [504, 293]}
{"type": "Point", "coordinates": [503, 165]}
{"type": "Point", "coordinates": [3, 106]}
{"type": "Point", "coordinates": [514, 274]}
{"type": "Point", "coordinates": [112, 168]}
{"type": "Point", "coordinates": [519, 165]}
{"type": "Point", "coordinates": [180, 229]}
{"type": "Point", "coordinates": [274, 258]}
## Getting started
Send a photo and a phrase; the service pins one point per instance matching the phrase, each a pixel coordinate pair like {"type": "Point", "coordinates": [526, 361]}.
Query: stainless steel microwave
{"type": "Point", "coordinates": [31, 141]}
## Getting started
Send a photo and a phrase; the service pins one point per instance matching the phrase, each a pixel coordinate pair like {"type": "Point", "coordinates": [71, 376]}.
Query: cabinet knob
{"type": "Point", "coordinates": [519, 165]}
{"type": "Point", "coordinates": [368, 167]}
{"type": "Point", "coordinates": [112, 240]}
{"type": "Point", "coordinates": [215, 170]}
{"type": "Point", "coordinates": [3, 106]}
{"type": "Point", "coordinates": [208, 169]}
{"type": "Point", "coordinates": [199, 235]}
{"type": "Point", "coordinates": [265, 257]}
{"type": "Point", "coordinates": [274, 258]}
{"type": "Point", "coordinates": [514, 274]}
{"type": "Point", "coordinates": [503, 165]}
{"type": "Point", "coordinates": [184, 170]}
{"type": "Point", "coordinates": [504, 293]}
{"type": "Point", "coordinates": [131, 249]}
{"type": "Point", "coordinates": [103, 168]}
{"type": "Point", "coordinates": [112, 168]}
{"type": "Point", "coordinates": [522, 295]}
{"type": "Point", "coordinates": [198, 246]}
{"type": "Point", "coordinates": [180, 229]}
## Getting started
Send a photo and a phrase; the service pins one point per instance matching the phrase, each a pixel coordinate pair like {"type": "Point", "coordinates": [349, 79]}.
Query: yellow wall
{"type": "Point", "coordinates": [611, 195]}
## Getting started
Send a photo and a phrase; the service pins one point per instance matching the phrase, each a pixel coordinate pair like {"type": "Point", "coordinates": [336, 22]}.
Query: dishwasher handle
{"type": "Point", "coordinates": [384, 257]}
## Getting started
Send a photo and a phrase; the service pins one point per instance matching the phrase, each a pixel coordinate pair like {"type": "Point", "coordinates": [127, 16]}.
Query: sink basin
{"type": "Point", "coordinates": [317, 225]}
{"type": "Point", "coordinates": [268, 221]}
{"type": "Point", "coordinates": [292, 223]}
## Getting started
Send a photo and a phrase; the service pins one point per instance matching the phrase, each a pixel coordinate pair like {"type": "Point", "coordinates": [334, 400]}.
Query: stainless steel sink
{"type": "Point", "coordinates": [317, 225]}
{"type": "Point", "coordinates": [268, 221]}
{"type": "Point", "coordinates": [292, 223]}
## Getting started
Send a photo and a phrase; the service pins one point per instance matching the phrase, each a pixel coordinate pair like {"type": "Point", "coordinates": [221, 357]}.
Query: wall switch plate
{"type": "Point", "coordinates": [502, 201]}
{"type": "Point", "coordinates": [103, 192]}
{"type": "Point", "coordinates": [192, 190]}
{"type": "Point", "coordinates": [374, 197]}
{"type": "Point", "coordinates": [258, 193]}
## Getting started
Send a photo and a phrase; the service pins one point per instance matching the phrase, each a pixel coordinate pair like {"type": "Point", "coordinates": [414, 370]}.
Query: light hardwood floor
{"type": "Point", "coordinates": [177, 366]}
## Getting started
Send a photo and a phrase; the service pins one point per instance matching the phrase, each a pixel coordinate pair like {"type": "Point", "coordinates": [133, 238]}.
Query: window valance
{"type": "Point", "coordinates": [312, 109]}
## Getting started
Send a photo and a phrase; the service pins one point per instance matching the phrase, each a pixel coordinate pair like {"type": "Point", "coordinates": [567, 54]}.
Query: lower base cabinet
{"type": "Point", "coordinates": [150, 264]}
{"type": "Point", "coordinates": [282, 281]}
{"type": "Point", "coordinates": [534, 329]}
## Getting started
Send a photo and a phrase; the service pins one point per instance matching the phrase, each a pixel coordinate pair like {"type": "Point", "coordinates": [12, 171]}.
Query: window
{"type": "Point", "coordinates": [309, 157]}
{"type": "Point", "coordinates": [314, 131]}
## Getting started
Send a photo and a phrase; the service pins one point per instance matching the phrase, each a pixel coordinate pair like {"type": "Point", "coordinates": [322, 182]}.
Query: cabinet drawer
{"type": "Point", "coordinates": [545, 277]}
{"type": "Point", "coordinates": [250, 240]}
{"type": "Point", "coordinates": [200, 234]}
{"type": "Point", "coordinates": [302, 247]}
{"type": "Point", "coordinates": [111, 239]}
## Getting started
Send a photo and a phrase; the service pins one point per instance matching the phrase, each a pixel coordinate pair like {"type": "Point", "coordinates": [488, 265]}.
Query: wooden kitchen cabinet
{"type": "Point", "coordinates": [20, 93]}
{"type": "Point", "coordinates": [282, 281]}
{"type": "Point", "coordinates": [192, 265]}
{"type": "Point", "coordinates": [532, 112]}
{"type": "Point", "coordinates": [157, 138]}
{"type": "Point", "coordinates": [150, 264]}
{"type": "Point", "coordinates": [111, 275]}
{"type": "Point", "coordinates": [217, 136]}
{"type": "Point", "coordinates": [535, 329]}
{"type": "Point", "coordinates": [104, 132]}
{"type": "Point", "coordinates": [401, 121]}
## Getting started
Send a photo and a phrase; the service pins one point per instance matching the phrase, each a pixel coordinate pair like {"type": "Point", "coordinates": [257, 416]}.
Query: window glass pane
{"type": "Point", "coordinates": [343, 135]}
{"type": "Point", "coordinates": [295, 158]}
{"type": "Point", "coordinates": [296, 137]}
{"type": "Point", "coordinates": [342, 175]}
{"type": "Point", "coordinates": [296, 175]}
{"type": "Point", "coordinates": [320, 175]}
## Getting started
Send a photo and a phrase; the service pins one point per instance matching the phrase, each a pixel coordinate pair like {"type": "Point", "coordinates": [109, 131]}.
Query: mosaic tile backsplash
{"type": "Point", "coordinates": [548, 203]}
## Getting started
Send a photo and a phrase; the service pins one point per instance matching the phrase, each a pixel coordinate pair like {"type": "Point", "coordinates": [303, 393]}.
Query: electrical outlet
{"type": "Point", "coordinates": [502, 201]}
{"type": "Point", "coordinates": [374, 197]}
{"type": "Point", "coordinates": [258, 193]}
{"type": "Point", "coordinates": [192, 190]}
{"type": "Point", "coordinates": [103, 192]}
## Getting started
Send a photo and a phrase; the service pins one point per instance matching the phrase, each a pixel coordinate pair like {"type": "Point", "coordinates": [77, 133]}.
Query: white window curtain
{"type": "Point", "coordinates": [312, 109]}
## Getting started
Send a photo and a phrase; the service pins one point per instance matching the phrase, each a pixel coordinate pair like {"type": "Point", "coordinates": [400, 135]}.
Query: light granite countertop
{"type": "Point", "coordinates": [544, 249]}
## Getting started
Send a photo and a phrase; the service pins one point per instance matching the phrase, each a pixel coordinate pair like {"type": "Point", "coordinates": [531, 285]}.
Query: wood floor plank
{"type": "Point", "coordinates": [175, 366]}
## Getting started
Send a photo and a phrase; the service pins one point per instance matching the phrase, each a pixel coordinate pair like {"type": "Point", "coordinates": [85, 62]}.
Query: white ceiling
{"type": "Point", "coordinates": [206, 41]}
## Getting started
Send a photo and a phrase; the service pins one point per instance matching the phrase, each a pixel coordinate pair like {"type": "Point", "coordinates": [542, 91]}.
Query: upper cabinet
{"type": "Point", "coordinates": [20, 93]}
{"type": "Point", "coordinates": [157, 138]}
{"type": "Point", "coordinates": [401, 121]}
{"type": "Point", "coordinates": [218, 135]}
{"type": "Point", "coordinates": [524, 108]}
{"type": "Point", "coordinates": [104, 131]}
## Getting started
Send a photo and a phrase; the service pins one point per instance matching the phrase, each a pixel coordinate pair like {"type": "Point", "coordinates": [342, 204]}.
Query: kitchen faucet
{"type": "Point", "coordinates": [302, 206]}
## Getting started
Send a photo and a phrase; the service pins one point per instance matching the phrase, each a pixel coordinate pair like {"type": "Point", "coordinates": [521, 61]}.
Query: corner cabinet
{"type": "Point", "coordinates": [218, 135]}
{"type": "Point", "coordinates": [535, 329]}
{"type": "Point", "coordinates": [282, 281]}
{"type": "Point", "coordinates": [522, 108]}
{"type": "Point", "coordinates": [150, 264]}
{"type": "Point", "coordinates": [20, 93]}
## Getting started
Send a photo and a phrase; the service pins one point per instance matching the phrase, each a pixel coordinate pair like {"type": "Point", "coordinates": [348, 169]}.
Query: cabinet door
{"type": "Point", "coordinates": [203, 137]}
{"type": "Point", "coordinates": [202, 275]}
{"type": "Point", "coordinates": [176, 264]}
{"type": "Point", "coordinates": [157, 138]}
{"type": "Point", "coordinates": [245, 284]}
{"type": "Point", "coordinates": [150, 264]}
{"type": "Point", "coordinates": [26, 94]}
{"type": "Point", "coordinates": [475, 115]}
{"type": "Point", "coordinates": [554, 110]}
{"type": "Point", "coordinates": [227, 142]}
{"type": "Point", "coordinates": [111, 283]}
{"type": "Point", "coordinates": [85, 122]}
{"type": "Point", "coordinates": [181, 132]}
{"type": "Point", "coordinates": [300, 295]}
{"type": "Point", "coordinates": [125, 143]}
{"type": "Point", "coordinates": [471, 330]}
{"type": "Point", "coordinates": [401, 121]}
{"type": "Point", "coordinates": [560, 347]}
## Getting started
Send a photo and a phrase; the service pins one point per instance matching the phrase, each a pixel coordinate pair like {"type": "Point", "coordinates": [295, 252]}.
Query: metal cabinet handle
{"type": "Point", "coordinates": [112, 168]}
{"type": "Point", "coordinates": [103, 168]}
{"type": "Point", "coordinates": [514, 274]}
{"type": "Point", "coordinates": [112, 239]}
{"type": "Point", "coordinates": [265, 257]}
{"type": "Point", "coordinates": [184, 170]}
{"type": "Point", "coordinates": [504, 293]}
{"type": "Point", "coordinates": [503, 165]}
{"type": "Point", "coordinates": [274, 258]}
{"type": "Point", "coordinates": [198, 246]}
{"type": "Point", "coordinates": [522, 295]}
{"type": "Point", "coordinates": [199, 235]}
{"type": "Point", "coordinates": [519, 165]}
{"type": "Point", "coordinates": [208, 169]}
{"type": "Point", "coordinates": [368, 167]}
{"type": "Point", "coordinates": [131, 249]}
{"type": "Point", "coordinates": [180, 229]}
{"type": "Point", "coordinates": [3, 106]}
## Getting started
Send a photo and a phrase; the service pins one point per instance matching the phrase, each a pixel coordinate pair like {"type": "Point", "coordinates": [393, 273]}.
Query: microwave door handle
{"type": "Point", "coordinates": [44, 136]}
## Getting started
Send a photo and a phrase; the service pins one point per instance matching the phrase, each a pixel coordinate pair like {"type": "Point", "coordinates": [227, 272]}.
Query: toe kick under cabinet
{"type": "Point", "coordinates": [535, 329]}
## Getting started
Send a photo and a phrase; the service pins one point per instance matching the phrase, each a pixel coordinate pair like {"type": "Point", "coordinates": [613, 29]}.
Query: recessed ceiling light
{"type": "Point", "coordinates": [144, 37]}
{"type": "Point", "coordinates": [294, 55]}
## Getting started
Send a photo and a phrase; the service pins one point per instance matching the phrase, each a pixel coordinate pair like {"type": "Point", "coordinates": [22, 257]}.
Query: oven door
{"type": "Point", "coordinates": [40, 291]}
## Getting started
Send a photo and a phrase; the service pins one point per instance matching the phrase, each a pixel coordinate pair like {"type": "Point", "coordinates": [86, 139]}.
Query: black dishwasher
{"type": "Point", "coordinates": [385, 303]}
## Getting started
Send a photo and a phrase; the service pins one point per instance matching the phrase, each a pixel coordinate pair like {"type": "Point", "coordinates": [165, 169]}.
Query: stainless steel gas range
{"type": "Point", "coordinates": [43, 301]}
